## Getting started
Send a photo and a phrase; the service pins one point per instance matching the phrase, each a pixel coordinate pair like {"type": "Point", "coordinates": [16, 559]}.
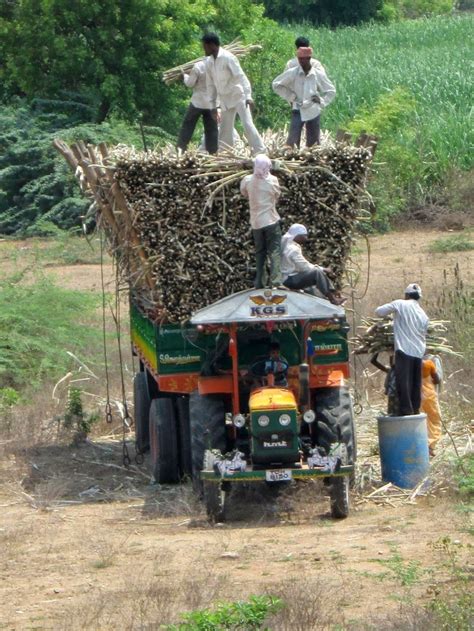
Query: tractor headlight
{"type": "Point", "coordinates": [309, 416]}
{"type": "Point", "coordinates": [263, 420]}
{"type": "Point", "coordinates": [285, 419]}
{"type": "Point", "coordinates": [239, 420]}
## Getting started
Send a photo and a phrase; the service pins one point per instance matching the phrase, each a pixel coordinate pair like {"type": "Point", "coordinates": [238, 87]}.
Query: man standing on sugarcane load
{"type": "Point", "coordinates": [199, 106]}
{"type": "Point", "coordinates": [263, 190]}
{"type": "Point", "coordinates": [298, 272]}
{"type": "Point", "coordinates": [308, 91]}
{"type": "Point", "coordinates": [229, 88]}
{"type": "Point", "coordinates": [410, 326]}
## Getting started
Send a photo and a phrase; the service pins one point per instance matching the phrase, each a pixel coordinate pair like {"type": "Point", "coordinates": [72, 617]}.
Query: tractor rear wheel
{"type": "Point", "coordinates": [335, 420]}
{"type": "Point", "coordinates": [163, 441]}
{"type": "Point", "coordinates": [184, 441]}
{"type": "Point", "coordinates": [141, 403]}
{"type": "Point", "coordinates": [207, 422]}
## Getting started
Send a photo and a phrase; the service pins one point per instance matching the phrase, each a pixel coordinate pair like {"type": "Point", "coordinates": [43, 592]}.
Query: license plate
{"type": "Point", "coordinates": [280, 475]}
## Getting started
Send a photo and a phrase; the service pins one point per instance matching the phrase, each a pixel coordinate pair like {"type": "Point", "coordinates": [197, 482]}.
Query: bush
{"type": "Point", "coordinates": [454, 243]}
{"type": "Point", "coordinates": [237, 616]}
{"type": "Point", "coordinates": [39, 322]}
{"type": "Point", "coordinates": [398, 9]}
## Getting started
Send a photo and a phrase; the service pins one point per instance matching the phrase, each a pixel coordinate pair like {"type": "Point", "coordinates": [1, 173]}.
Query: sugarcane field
{"type": "Point", "coordinates": [236, 316]}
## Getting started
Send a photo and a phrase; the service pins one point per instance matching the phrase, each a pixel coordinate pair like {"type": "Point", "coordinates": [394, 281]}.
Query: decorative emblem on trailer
{"type": "Point", "coordinates": [268, 304]}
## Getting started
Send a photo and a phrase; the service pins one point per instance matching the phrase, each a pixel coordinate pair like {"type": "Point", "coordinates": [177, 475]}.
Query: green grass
{"type": "Point", "coordinates": [455, 243]}
{"type": "Point", "coordinates": [427, 60]}
{"type": "Point", "coordinates": [39, 323]}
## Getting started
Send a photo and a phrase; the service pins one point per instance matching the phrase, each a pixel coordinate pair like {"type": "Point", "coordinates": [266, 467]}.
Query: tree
{"type": "Point", "coordinates": [329, 12]}
{"type": "Point", "coordinates": [114, 52]}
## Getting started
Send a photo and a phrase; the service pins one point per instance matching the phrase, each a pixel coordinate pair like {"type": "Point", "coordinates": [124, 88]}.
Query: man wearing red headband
{"type": "Point", "coordinates": [309, 91]}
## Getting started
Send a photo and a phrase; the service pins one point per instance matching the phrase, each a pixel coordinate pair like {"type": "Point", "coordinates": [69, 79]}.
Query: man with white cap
{"type": "Point", "coordinates": [298, 272]}
{"type": "Point", "coordinates": [309, 91]}
{"type": "Point", "coordinates": [263, 190]}
{"type": "Point", "coordinates": [410, 325]}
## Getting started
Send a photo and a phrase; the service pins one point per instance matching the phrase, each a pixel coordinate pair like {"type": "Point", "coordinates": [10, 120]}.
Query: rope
{"type": "Point", "coordinates": [127, 419]}
{"type": "Point", "coordinates": [358, 406]}
{"type": "Point", "coordinates": [108, 407]}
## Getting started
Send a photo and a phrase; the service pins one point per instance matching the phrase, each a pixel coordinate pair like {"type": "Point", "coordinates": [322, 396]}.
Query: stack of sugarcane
{"type": "Point", "coordinates": [194, 224]}
{"type": "Point", "coordinates": [376, 335]}
{"type": "Point", "coordinates": [236, 48]}
{"type": "Point", "coordinates": [179, 228]}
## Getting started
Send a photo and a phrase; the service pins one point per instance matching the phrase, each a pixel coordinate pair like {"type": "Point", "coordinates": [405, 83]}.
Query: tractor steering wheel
{"type": "Point", "coordinates": [265, 367]}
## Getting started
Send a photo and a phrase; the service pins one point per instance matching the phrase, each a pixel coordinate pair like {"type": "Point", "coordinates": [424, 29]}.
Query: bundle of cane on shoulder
{"type": "Point", "coordinates": [375, 335]}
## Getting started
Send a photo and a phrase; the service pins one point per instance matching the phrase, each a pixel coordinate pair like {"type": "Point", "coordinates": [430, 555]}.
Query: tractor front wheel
{"type": "Point", "coordinates": [215, 495]}
{"type": "Point", "coordinates": [339, 494]}
{"type": "Point", "coordinates": [207, 421]}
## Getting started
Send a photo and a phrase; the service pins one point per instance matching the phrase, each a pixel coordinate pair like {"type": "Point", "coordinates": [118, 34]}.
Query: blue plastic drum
{"type": "Point", "coordinates": [403, 443]}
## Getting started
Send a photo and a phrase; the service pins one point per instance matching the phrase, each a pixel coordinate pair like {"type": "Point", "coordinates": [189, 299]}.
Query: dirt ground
{"type": "Point", "coordinates": [88, 544]}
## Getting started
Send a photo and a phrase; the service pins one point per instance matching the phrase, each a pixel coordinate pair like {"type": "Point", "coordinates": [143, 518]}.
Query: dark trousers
{"type": "Point", "coordinates": [308, 280]}
{"type": "Point", "coordinates": [189, 125]}
{"type": "Point", "coordinates": [268, 245]}
{"type": "Point", "coordinates": [408, 376]}
{"type": "Point", "coordinates": [296, 127]}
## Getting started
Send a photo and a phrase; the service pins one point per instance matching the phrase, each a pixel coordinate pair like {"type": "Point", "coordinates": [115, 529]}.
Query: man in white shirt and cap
{"type": "Point", "coordinates": [263, 190]}
{"type": "Point", "coordinates": [309, 91]}
{"type": "Point", "coordinates": [298, 272]}
{"type": "Point", "coordinates": [229, 88]}
{"type": "Point", "coordinates": [410, 326]}
{"type": "Point", "coordinates": [200, 106]}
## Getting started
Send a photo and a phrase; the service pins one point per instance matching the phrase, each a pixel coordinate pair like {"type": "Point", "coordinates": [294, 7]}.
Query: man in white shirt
{"type": "Point", "coordinates": [309, 91]}
{"type": "Point", "coordinates": [263, 190]}
{"type": "Point", "coordinates": [298, 272]}
{"type": "Point", "coordinates": [410, 325]}
{"type": "Point", "coordinates": [199, 106]}
{"type": "Point", "coordinates": [229, 88]}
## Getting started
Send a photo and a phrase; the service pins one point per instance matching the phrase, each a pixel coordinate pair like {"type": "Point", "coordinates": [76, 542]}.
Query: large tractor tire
{"type": "Point", "coordinates": [335, 420]}
{"type": "Point", "coordinates": [141, 403]}
{"type": "Point", "coordinates": [207, 422]}
{"type": "Point", "coordinates": [184, 438]}
{"type": "Point", "coordinates": [163, 441]}
{"type": "Point", "coordinates": [339, 494]}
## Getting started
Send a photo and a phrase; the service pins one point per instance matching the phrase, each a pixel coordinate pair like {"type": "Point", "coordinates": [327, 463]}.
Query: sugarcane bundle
{"type": "Point", "coordinates": [375, 335]}
{"type": "Point", "coordinates": [179, 228]}
{"type": "Point", "coordinates": [236, 47]}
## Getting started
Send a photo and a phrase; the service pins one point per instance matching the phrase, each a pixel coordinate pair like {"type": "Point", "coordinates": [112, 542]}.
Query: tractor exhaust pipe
{"type": "Point", "coordinates": [304, 386]}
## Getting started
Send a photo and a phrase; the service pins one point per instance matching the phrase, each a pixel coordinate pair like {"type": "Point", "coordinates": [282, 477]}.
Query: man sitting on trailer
{"type": "Point", "coordinates": [410, 325]}
{"type": "Point", "coordinates": [298, 272]}
{"type": "Point", "coordinates": [199, 106]}
{"type": "Point", "coordinates": [308, 91]}
{"type": "Point", "coordinates": [229, 87]}
{"type": "Point", "coordinates": [262, 189]}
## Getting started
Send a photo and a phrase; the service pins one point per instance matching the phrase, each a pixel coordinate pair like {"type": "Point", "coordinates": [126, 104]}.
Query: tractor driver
{"type": "Point", "coordinates": [274, 364]}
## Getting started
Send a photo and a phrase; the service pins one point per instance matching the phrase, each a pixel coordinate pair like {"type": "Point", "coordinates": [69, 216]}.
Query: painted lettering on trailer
{"type": "Point", "coordinates": [267, 311]}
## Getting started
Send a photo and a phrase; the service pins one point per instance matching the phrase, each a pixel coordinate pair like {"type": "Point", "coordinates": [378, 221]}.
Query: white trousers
{"type": "Point", "coordinates": [226, 129]}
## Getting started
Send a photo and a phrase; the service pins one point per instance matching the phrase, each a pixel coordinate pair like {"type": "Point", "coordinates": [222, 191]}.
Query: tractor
{"type": "Point", "coordinates": [251, 390]}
